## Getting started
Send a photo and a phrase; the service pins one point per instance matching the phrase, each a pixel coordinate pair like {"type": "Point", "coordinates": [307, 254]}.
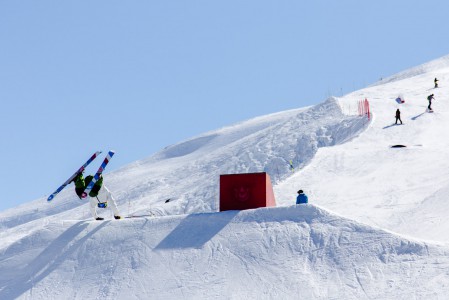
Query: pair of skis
{"type": "Point", "coordinates": [81, 169]}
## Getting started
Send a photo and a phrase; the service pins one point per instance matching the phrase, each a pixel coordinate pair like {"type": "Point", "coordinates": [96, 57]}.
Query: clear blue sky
{"type": "Point", "coordinates": [136, 76]}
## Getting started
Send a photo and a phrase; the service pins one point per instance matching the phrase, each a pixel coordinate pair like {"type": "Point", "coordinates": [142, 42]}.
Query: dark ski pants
{"type": "Point", "coordinates": [398, 118]}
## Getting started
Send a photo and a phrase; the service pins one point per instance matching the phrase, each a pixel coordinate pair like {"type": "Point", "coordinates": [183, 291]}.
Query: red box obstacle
{"type": "Point", "coordinates": [246, 191]}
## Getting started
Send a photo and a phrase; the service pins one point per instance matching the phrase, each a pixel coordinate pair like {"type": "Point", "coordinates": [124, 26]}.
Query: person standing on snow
{"type": "Point", "coordinates": [302, 198]}
{"type": "Point", "coordinates": [430, 98]}
{"type": "Point", "coordinates": [436, 82]}
{"type": "Point", "coordinates": [398, 116]}
{"type": "Point", "coordinates": [99, 195]}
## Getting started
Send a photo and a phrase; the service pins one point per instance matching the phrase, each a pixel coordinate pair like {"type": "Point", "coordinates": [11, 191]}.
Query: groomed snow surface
{"type": "Point", "coordinates": [376, 226]}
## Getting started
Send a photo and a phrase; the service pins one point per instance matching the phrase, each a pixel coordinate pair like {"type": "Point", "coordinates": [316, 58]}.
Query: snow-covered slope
{"type": "Point", "coordinates": [188, 172]}
{"type": "Point", "coordinates": [381, 232]}
{"type": "Point", "coordinates": [400, 189]}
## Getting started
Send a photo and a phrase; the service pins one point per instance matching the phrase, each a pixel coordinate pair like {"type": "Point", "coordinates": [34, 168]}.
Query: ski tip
{"type": "Point", "coordinates": [50, 197]}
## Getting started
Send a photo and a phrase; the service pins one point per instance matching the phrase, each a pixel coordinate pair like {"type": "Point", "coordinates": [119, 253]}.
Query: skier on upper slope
{"type": "Point", "coordinates": [436, 82]}
{"type": "Point", "coordinates": [430, 98]}
{"type": "Point", "coordinates": [99, 195]}
{"type": "Point", "coordinates": [398, 116]}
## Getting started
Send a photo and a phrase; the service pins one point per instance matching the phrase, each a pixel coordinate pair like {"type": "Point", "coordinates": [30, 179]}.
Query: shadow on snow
{"type": "Point", "coordinates": [47, 261]}
{"type": "Point", "coordinates": [196, 230]}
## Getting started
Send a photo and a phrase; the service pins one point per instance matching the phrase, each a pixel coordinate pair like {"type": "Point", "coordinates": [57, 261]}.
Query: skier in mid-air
{"type": "Point", "coordinates": [398, 116]}
{"type": "Point", "coordinates": [99, 196]}
{"type": "Point", "coordinates": [430, 98]}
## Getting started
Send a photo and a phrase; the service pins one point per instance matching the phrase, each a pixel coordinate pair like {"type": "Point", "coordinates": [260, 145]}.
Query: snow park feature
{"type": "Point", "coordinates": [246, 191]}
{"type": "Point", "coordinates": [375, 227]}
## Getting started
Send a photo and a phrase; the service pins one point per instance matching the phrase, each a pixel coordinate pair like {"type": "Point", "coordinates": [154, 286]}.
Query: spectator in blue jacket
{"type": "Point", "coordinates": [302, 198]}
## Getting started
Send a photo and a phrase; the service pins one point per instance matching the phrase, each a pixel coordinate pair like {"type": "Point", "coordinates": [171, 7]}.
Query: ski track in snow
{"type": "Point", "coordinates": [376, 227]}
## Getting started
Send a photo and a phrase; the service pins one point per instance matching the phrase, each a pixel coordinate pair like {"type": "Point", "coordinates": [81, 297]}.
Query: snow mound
{"type": "Point", "coordinates": [281, 253]}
